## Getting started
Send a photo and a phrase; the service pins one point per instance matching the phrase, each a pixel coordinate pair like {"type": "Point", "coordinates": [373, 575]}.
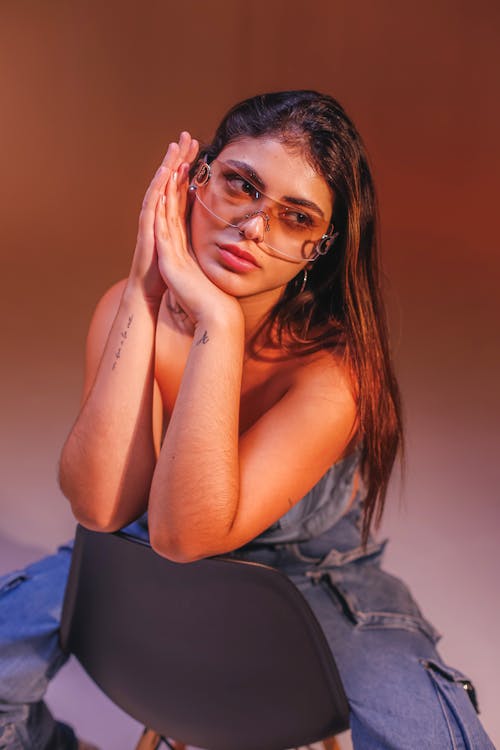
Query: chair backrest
{"type": "Point", "coordinates": [221, 653]}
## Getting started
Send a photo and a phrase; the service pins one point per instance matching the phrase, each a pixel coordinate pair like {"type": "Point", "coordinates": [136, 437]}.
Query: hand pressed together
{"type": "Point", "coordinates": [163, 256]}
{"type": "Point", "coordinates": [145, 271]}
{"type": "Point", "coordinates": [198, 296]}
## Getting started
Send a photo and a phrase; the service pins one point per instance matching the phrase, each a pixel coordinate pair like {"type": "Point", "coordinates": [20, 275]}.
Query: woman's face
{"type": "Point", "coordinates": [240, 236]}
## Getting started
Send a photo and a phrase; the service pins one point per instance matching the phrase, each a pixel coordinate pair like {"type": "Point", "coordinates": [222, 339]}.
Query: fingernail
{"type": "Point", "coordinates": [174, 176]}
{"type": "Point", "coordinates": [163, 200]}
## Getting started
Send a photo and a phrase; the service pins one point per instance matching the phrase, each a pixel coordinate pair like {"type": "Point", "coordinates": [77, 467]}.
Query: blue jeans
{"type": "Point", "coordinates": [30, 611]}
{"type": "Point", "coordinates": [30, 654]}
{"type": "Point", "coordinates": [402, 696]}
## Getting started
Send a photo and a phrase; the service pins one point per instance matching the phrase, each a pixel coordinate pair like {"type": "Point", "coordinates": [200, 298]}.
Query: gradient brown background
{"type": "Point", "coordinates": [91, 94]}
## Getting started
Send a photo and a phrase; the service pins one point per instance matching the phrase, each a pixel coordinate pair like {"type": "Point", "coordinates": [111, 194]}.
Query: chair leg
{"type": "Point", "coordinates": [149, 740]}
{"type": "Point", "coordinates": [329, 744]}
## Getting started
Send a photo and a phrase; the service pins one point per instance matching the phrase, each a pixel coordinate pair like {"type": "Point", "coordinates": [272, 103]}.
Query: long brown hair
{"type": "Point", "coordinates": [341, 308]}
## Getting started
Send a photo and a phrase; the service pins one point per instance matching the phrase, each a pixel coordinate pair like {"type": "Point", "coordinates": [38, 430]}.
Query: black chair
{"type": "Point", "coordinates": [222, 653]}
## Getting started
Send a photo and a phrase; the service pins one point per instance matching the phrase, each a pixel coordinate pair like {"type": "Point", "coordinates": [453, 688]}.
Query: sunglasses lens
{"type": "Point", "coordinates": [290, 231]}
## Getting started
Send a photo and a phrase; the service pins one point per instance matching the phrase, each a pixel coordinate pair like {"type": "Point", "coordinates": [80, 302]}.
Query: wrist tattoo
{"type": "Point", "coordinates": [204, 339]}
{"type": "Point", "coordinates": [123, 337]}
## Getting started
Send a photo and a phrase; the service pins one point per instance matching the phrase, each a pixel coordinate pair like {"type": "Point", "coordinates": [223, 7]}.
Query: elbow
{"type": "Point", "coordinates": [96, 523]}
{"type": "Point", "coordinates": [94, 519]}
{"type": "Point", "coordinates": [175, 549]}
{"type": "Point", "coordinates": [76, 491]}
{"type": "Point", "coordinates": [187, 537]}
{"type": "Point", "coordinates": [96, 504]}
{"type": "Point", "coordinates": [90, 510]}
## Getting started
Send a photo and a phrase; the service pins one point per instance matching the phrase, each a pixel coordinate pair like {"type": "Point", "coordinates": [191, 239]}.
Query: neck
{"type": "Point", "coordinates": [256, 308]}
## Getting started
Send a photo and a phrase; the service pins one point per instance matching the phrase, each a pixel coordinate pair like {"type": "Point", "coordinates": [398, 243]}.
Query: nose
{"type": "Point", "coordinates": [253, 226]}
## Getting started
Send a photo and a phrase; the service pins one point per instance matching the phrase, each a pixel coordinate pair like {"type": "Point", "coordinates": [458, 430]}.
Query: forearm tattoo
{"type": "Point", "coordinates": [204, 339]}
{"type": "Point", "coordinates": [123, 337]}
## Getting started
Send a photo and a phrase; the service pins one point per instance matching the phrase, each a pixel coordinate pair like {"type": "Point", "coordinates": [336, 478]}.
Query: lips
{"type": "Point", "coordinates": [238, 253]}
{"type": "Point", "coordinates": [235, 250]}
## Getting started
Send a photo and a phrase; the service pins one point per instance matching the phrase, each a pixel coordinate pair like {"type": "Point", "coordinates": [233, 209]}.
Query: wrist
{"type": "Point", "coordinates": [228, 317]}
{"type": "Point", "coordinates": [135, 292]}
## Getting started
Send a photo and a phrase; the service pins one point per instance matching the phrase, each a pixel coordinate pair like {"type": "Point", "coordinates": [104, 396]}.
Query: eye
{"type": "Point", "coordinates": [238, 185]}
{"type": "Point", "coordinates": [297, 219]}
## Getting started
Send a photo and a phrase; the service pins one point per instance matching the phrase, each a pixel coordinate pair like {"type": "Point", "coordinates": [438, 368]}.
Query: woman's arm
{"type": "Point", "coordinates": [195, 487]}
{"type": "Point", "coordinates": [109, 457]}
{"type": "Point", "coordinates": [213, 490]}
{"type": "Point", "coordinates": [107, 488]}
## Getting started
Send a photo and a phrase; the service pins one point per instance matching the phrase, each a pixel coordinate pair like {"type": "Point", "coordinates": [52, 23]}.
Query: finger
{"type": "Point", "coordinates": [179, 152]}
{"type": "Point", "coordinates": [189, 148]}
{"type": "Point", "coordinates": [175, 223]}
{"type": "Point", "coordinates": [176, 153]}
{"type": "Point", "coordinates": [182, 186]}
{"type": "Point", "coordinates": [172, 203]}
{"type": "Point", "coordinates": [193, 151]}
{"type": "Point", "coordinates": [185, 141]}
{"type": "Point", "coordinates": [155, 189]}
{"type": "Point", "coordinates": [168, 166]}
{"type": "Point", "coordinates": [163, 238]}
{"type": "Point", "coordinates": [171, 161]}
{"type": "Point", "coordinates": [160, 222]}
{"type": "Point", "coordinates": [171, 158]}
{"type": "Point", "coordinates": [161, 176]}
{"type": "Point", "coordinates": [167, 210]}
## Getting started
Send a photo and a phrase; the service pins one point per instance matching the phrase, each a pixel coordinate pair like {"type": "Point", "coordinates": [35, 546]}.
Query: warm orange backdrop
{"type": "Point", "coordinates": [91, 93]}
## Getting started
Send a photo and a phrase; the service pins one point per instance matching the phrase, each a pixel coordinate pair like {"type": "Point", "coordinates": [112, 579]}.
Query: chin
{"type": "Point", "coordinates": [227, 280]}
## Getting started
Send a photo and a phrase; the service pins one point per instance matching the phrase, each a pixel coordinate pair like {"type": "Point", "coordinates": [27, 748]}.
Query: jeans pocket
{"type": "Point", "coordinates": [372, 598]}
{"type": "Point", "coordinates": [10, 581]}
{"type": "Point", "coordinates": [443, 676]}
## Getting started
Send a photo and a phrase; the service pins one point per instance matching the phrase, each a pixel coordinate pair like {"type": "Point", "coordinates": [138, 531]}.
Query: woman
{"type": "Point", "coordinates": [239, 387]}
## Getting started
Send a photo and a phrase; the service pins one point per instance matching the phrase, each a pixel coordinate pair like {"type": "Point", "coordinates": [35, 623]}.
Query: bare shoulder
{"type": "Point", "coordinates": [291, 446]}
{"type": "Point", "coordinates": [324, 387]}
{"type": "Point", "coordinates": [326, 374]}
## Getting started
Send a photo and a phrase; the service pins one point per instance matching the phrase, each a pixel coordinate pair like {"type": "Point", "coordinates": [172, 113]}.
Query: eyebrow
{"type": "Point", "coordinates": [259, 182]}
{"type": "Point", "coordinates": [304, 203]}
